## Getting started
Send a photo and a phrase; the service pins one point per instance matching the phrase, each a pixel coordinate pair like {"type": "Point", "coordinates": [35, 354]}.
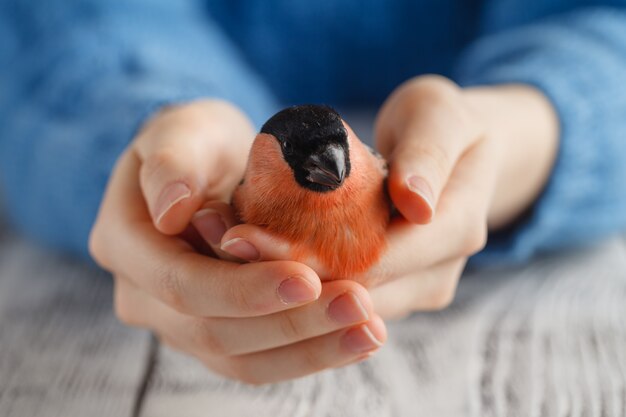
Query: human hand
{"type": "Point", "coordinates": [258, 322]}
{"type": "Point", "coordinates": [456, 168]}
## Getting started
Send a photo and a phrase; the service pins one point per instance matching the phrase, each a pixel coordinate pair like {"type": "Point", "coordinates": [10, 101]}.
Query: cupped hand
{"type": "Point", "coordinates": [454, 158]}
{"type": "Point", "coordinates": [165, 210]}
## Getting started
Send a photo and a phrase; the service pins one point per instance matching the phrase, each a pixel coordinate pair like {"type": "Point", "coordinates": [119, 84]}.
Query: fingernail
{"type": "Point", "coordinates": [360, 340]}
{"type": "Point", "coordinates": [296, 290]}
{"type": "Point", "coordinates": [242, 249]}
{"type": "Point", "coordinates": [170, 196]}
{"type": "Point", "coordinates": [347, 309]}
{"type": "Point", "coordinates": [210, 225]}
{"type": "Point", "coordinates": [419, 186]}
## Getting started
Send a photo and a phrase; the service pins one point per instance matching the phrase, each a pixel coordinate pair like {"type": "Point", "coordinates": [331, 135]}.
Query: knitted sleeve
{"type": "Point", "coordinates": [78, 77]}
{"type": "Point", "coordinates": [578, 60]}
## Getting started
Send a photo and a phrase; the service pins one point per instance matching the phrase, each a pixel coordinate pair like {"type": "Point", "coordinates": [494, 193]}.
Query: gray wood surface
{"type": "Point", "coordinates": [62, 353]}
{"type": "Point", "coordinates": [545, 340]}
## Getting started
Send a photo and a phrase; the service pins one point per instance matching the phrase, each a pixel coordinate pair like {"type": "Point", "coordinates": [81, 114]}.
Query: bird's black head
{"type": "Point", "coordinates": [314, 143]}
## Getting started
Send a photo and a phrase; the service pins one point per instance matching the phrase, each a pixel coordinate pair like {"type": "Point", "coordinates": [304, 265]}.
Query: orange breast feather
{"type": "Point", "coordinates": [343, 228]}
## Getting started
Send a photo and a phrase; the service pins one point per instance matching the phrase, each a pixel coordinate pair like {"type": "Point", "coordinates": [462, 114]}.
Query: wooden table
{"type": "Point", "coordinates": [545, 340]}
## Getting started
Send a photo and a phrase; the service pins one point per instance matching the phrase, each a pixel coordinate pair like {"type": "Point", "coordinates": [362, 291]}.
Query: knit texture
{"type": "Point", "coordinates": [78, 77]}
{"type": "Point", "coordinates": [579, 61]}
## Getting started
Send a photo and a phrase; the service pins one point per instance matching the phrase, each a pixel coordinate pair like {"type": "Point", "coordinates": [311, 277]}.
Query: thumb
{"type": "Point", "coordinates": [173, 181]}
{"type": "Point", "coordinates": [418, 172]}
{"type": "Point", "coordinates": [423, 153]}
{"type": "Point", "coordinates": [185, 161]}
{"type": "Point", "coordinates": [255, 243]}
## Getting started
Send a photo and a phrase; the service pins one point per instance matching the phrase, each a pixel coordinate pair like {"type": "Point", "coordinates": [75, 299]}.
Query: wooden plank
{"type": "Point", "coordinates": [548, 339]}
{"type": "Point", "coordinates": [62, 353]}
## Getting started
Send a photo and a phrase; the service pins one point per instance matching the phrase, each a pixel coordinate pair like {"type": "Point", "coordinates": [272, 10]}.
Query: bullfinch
{"type": "Point", "coordinates": [312, 182]}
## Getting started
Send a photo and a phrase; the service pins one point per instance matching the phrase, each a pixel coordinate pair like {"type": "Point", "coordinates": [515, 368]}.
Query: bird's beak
{"type": "Point", "coordinates": [327, 167]}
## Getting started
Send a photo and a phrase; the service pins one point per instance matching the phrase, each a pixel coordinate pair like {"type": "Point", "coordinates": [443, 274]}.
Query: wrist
{"type": "Point", "coordinates": [523, 127]}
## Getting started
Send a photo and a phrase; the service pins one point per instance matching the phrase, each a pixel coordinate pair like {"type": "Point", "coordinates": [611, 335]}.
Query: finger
{"type": "Point", "coordinates": [185, 162]}
{"type": "Point", "coordinates": [212, 221]}
{"type": "Point", "coordinates": [342, 304]}
{"type": "Point", "coordinates": [137, 308]}
{"type": "Point", "coordinates": [191, 236]}
{"type": "Point", "coordinates": [303, 358]}
{"type": "Point", "coordinates": [254, 243]}
{"type": "Point", "coordinates": [428, 290]}
{"type": "Point", "coordinates": [132, 306]}
{"type": "Point", "coordinates": [170, 270]}
{"type": "Point", "coordinates": [436, 131]}
{"type": "Point", "coordinates": [458, 230]}
{"type": "Point", "coordinates": [188, 334]}
{"type": "Point", "coordinates": [200, 285]}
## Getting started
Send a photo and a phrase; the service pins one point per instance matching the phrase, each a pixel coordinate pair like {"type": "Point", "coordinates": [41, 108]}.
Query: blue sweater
{"type": "Point", "coordinates": [77, 78]}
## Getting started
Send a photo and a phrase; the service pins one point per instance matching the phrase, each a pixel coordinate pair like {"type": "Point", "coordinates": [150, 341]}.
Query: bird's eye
{"type": "Point", "coordinates": [287, 148]}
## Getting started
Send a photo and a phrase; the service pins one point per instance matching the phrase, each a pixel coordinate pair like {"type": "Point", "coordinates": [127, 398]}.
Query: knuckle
{"type": "Point", "coordinates": [238, 368]}
{"type": "Point", "coordinates": [479, 239]}
{"type": "Point", "coordinates": [160, 160]}
{"type": "Point", "coordinates": [442, 300]}
{"type": "Point", "coordinates": [96, 245]}
{"type": "Point", "coordinates": [207, 338]}
{"type": "Point", "coordinates": [311, 359]}
{"type": "Point", "coordinates": [169, 286]}
{"type": "Point", "coordinates": [124, 310]}
{"type": "Point", "coordinates": [475, 238]}
{"type": "Point", "coordinates": [241, 297]}
{"type": "Point", "coordinates": [122, 313]}
{"type": "Point", "coordinates": [439, 159]}
{"type": "Point", "coordinates": [416, 96]}
{"type": "Point", "coordinates": [163, 166]}
{"type": "Point", "coordinates": [355, 285]}
{"type": "Point", "coordinates": [435, 87]}
{"type": "Point", "coordinates": [289, 327]}
{"type": "Point", "coordinates": [387, 268]}
{"type": "Point", "coordinates": [355, 288]}
{"type": "Point", "coordinates": [472, 223]}
{"type": "Point", "coordinates": [171, 341]}
{"type": "Point", "coordinates": [379, 274]}
{"type": "Point", "coordinates": [431, 91]}
{"type": "Point", "coordinates": [435, 81]}
{"type": "Point", "coordinates": [444, 295]}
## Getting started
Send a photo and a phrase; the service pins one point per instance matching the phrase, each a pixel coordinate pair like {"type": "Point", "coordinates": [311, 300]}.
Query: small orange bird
{"type": "Point", "coordinates": [311, 181]}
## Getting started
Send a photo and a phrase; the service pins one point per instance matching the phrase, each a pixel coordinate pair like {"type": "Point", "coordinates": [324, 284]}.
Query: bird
{"type": "Point", "coordinates": [311, 181]}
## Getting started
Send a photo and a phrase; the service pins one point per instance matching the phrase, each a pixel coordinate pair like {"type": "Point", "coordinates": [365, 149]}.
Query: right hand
{"type": "Point", "coordinates": [258, 322]}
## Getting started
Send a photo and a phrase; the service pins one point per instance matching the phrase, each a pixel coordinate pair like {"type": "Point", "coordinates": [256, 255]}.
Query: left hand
{"type": "Point", "coordinates": [458, 165]}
